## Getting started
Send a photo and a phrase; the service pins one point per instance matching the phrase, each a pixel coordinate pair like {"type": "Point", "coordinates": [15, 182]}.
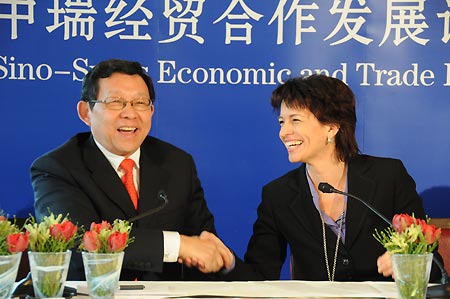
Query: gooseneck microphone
{"type": "Point", "coordinates": [327, 188]}
{"type": "Point", "coordinates": [162, 195]}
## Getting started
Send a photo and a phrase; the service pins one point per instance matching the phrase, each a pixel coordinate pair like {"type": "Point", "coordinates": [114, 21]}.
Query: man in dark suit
{"type": "Point", "coordinates": [85, 178]}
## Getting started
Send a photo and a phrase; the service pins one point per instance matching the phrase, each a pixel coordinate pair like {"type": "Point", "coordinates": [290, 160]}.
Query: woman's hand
{"type": "Point", "coordinates": [384, 265]}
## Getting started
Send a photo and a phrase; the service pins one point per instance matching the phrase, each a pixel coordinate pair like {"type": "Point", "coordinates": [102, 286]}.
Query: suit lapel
{"type": "Point", "coordinates": [153, 178]}
{"type": "Point", "coordinates": [302, 205]}
{"type": "Point", "coordinates": [303, 208]}
{"type": "Point", "coordinates": [106, 178]}
{"type": "Point", "coordinates": [364, 188]}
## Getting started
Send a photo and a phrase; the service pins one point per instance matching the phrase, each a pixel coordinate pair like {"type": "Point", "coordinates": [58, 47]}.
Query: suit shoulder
{"type": "Point", "coordinates": [384, 164]}
{"type": "Point", "coordinates": [158, 147]}
{"type": "Point", "coordinates": [288, 177]}
{"type": "Point", "coordinates": [378, 160]}
{"type": "Point", "coordinates": [71, 148]}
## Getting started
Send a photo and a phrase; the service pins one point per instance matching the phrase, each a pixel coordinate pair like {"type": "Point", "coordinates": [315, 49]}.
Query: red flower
{"type": "Point", "coordinates": [409, 235]}
{"type": "Point", "coordinates": [91, 241]}
{"type": "Point", "coordinates": [97, 227]}
{"type": "Point", "coordinates": [63, 231]}
{"type": "Point", "coordinates": [117, 241]}
{"type": "Point", "coordinates": [402, 221]}
{"type": "Point", "coordinates": [430, 232]}
{"type": "Point", "coordinates": [17, 242]}
{"type": "Point", "coordinates": [105, 237]}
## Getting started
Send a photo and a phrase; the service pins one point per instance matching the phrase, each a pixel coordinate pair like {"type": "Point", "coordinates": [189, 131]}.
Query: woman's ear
{"type": "Point", "coordinates": [83, 112]}
{"type": "Point", "coordinates": [333, 129]}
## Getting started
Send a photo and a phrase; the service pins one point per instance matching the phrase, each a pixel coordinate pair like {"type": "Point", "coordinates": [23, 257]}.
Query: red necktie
{"type": "Point", "coordinates": [127, 179]}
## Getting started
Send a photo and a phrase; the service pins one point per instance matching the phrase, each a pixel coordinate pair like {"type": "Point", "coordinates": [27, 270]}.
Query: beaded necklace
{"type": "Point", "coordinates": [331, 275]}
{"type": "Point", "coordinates": [342, 217]}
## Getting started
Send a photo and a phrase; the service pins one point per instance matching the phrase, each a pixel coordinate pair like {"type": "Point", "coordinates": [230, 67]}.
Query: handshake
{"type": "Point", "coordinates": [205, 252]}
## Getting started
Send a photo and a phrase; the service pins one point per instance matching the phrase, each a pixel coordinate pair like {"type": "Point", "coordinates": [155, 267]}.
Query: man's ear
{"type": "Point", "coordinates": [153, 109]}
{"type": "Point", "coordinates": [83, 112]}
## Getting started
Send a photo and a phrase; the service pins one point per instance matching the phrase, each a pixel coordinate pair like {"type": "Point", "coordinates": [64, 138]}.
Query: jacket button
{"type": "Point", "coordinates": [345, 262]}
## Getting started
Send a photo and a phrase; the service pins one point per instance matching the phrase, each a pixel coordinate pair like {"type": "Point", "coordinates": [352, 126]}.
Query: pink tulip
{"type": "Point", "coordinates": [91, 242]}
{"type": "Point", "coordinates": [117, 241]}
{"type": "Point", "coordinates": [97, 227]}
{"type": "Point", "coordinates": [63, 231]}
{"type": "Point", "coordinates": [402, 221]}
{"type": "Point", "coordinates": [431, 233]}
{"type": "Point", "coordinates": [17, 242]}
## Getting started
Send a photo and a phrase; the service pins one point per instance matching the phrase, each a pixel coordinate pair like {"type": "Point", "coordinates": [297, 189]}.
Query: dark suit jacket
{"type": "Point", "coordinates": [77, 178]}
{"type": "Point", "coordinates": [287, 216]}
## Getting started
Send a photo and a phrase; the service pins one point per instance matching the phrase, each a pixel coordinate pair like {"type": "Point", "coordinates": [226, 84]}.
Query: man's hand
{"type": "Point", "coordinates": [205, 252]}
{"type": "Point", "coordinates": [384, 265]}
{"type": "Point", "coordinates": [225, 253]}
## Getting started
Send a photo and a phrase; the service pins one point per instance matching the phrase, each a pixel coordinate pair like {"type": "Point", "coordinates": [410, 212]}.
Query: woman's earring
{"type": "Point", "coordinates": [329, 140]}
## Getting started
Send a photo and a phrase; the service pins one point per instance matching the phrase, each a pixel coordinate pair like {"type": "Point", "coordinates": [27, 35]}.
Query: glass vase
{"type": "Point", "coordinates": [9, 264]}
{"type": "Point", "coordinates": [49, 272]}
{"type": "Point", "coordinates": [412, 273]}
{"type": "Point", "coordinates": [102, 273]}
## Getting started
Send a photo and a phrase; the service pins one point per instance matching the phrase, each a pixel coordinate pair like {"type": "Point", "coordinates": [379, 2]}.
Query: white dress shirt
{"type": "Point", "coordinates": [171, 238]}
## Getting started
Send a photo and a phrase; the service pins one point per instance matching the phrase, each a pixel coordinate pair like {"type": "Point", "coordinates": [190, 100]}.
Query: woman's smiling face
{"type": "Point", "coordinates": [303, 135]}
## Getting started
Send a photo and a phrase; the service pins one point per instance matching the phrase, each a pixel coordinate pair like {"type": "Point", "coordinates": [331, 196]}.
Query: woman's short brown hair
{"type": "Point", "coordinates": [330, 100]}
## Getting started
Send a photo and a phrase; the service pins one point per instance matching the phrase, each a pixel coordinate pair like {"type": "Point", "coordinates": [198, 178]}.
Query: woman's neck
{"type": "Point", "coordinates": [329, 172]}
{"type": "Point", "coordinates": [334, 174]}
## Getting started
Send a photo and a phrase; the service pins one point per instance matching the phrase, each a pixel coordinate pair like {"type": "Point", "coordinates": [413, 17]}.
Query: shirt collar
{"type": "Point", "coordinates": [315, 196]}
{"type": "Point", "coordinates": [115, 160]}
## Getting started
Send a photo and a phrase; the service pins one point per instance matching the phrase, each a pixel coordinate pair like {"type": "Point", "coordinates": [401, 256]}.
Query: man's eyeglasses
{"type": "Point", "coordinates": [117, 103]}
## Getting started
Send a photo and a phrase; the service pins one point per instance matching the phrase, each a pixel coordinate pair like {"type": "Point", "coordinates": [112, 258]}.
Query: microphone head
{"type": "Point", "coordinates": [163, 195]}
{"type": "Point", "coordinates": [326, 188]}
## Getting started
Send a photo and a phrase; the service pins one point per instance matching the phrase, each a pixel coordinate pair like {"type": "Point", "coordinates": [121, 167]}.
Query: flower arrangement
{"type": "Point", "coordinates": [410, 241]}
{"type": "Point", "coordinates": [12, 243]}
{"type": "Point", "coordinates": [409, 235]}
{"type": "Point", "coordinates": [106, 238]}
{"type": "Point", "coordinates": [52, 234]}
{"type": "Point", "coordinates": [12, 240]}
{"type": "Point", "coordinates": [50, 242]}
{"type": "Point", "coordinates": [103, 250]}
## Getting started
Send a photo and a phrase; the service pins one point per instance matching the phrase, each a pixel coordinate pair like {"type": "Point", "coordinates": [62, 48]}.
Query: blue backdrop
{"type": "Point", "coordinates": [215, 64]}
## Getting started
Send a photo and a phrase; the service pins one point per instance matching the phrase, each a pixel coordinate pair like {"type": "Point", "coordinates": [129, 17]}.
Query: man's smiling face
{"type": "Point", "coordinates": [119, 131]}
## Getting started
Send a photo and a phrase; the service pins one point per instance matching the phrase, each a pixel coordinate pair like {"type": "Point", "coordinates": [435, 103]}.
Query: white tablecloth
{"type": "Point", "coordinates": [260, 289]}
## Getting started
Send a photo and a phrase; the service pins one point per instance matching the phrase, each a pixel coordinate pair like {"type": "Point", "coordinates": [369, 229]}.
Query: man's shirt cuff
{"type": "Point", "coordinates": [171, 246]}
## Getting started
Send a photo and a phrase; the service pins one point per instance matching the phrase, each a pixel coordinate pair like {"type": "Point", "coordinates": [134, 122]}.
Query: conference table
{"type": "Point", "coordinates": [250, 289]}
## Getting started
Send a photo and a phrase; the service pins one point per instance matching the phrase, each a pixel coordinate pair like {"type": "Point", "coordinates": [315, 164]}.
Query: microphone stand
{"type": "Point", "coordinates": [438, 291]}
{"type": "Point", "coordinates": [161, 195]}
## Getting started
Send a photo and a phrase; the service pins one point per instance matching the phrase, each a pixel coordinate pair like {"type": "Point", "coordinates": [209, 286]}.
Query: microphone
{"type": "Point", "coordinates": [161, 195]}
{"type": "Point", "coordinates": [327, 188]}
